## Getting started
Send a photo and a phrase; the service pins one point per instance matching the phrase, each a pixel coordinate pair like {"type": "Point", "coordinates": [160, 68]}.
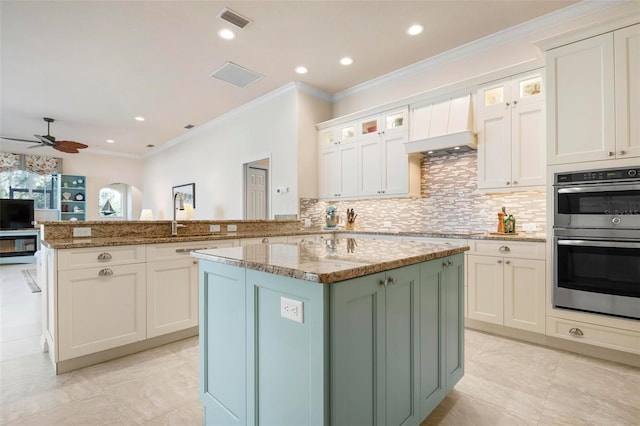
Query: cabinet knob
{"type": "Point", "coordinates": [610, 153]}
{"type": "Point", "coordinates": [103, 257]}
{"type": "Point", "coordinates": [383, 282]}
{"type": "Point", "coordinates": [508, 262]}
{"type": "Point", "coordinates": [106, 272]}
{"type": "Point", "coordinates": [576, 332]}
{"type": "Point", "coordinates": [515, 182]}
{"type": "Point", "coordinates": [499, 261]}
{"type": "Point", "coordinates": [447, 263]}
{"type": "Point", "coordinates": [515, 103]}
{"type": "Point", "coordinates": [392, 281]}
{"type": "Point", "coordinates": [508, 183]}
{"type": "Point", "coordinates": [383, 191]}
{"type": "Point", "coordinates": [507, 104]}
{"type": "Point", "coordinates": [265, 240]}
{"type": "Point", "coordinates": [622, 152]}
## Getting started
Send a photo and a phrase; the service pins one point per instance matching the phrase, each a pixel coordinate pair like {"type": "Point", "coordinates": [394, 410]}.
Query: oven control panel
{"type": "Point", "coordinates": [599, 175]}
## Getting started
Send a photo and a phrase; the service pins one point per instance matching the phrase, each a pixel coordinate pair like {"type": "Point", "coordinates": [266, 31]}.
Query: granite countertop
{"type": "Point", "coordinates": [466, 235]}
{"type": "Point", "coordinates": [83, 242]}
{"type": "Point", "coordinates": [329, 261]}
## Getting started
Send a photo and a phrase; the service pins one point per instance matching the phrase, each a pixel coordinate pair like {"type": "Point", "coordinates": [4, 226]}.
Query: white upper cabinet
{"type": "Point", "coordinates": [511, 133]}
{"type": "Point", "coordinates": [593, 89]}
{"type": "Point", "coordinates": [383, 162]}
{"type": "Point", "coordinates": [367, 158]}
{"type": "Point", "coordinates": [627, 90]}
{"type": "Point", "coordinates": [338, 164]}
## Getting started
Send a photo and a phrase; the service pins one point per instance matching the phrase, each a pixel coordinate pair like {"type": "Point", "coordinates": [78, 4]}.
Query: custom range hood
{"type": "Point", "coordinates": [442, 128]}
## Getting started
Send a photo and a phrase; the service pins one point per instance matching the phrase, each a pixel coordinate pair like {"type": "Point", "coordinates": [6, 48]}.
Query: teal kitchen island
{"type": "Point", "coordinates": [344, 332]}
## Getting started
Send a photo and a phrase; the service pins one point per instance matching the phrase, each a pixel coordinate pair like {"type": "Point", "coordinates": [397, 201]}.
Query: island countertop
{"type": "Point", "coordinates": [329, 261]}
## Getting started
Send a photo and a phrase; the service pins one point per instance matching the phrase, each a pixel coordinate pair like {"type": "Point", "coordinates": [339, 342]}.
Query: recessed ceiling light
{"type": "Point", "coordinates": [346, 61]}
{"type": "Point", "coordinates": [140, 118]}
{"type": "Point", "coordinates": [415, 29]}
{"type": "Point", "coordinates": [110, 141]}
{"type": "Point", "coordinates": [302, 70]}
{"type": "Point", "coordinates": [227, 34]}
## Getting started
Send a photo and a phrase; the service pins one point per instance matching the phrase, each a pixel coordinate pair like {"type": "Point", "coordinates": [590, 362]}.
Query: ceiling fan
{"type": "Point", "coordinates": [70, 147]}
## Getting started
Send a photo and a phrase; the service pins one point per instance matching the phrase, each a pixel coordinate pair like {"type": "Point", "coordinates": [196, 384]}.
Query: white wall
{"type": "Point", "coordinates": [311, 111]}
{"type": "Point", "coordinates": [212, 157]}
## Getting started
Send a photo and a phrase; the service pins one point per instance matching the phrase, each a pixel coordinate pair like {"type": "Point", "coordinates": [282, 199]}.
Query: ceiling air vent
{"type": "Point", "coordinates": [236, 75]}
{"type": "Point", "coordinates": [233, 18]}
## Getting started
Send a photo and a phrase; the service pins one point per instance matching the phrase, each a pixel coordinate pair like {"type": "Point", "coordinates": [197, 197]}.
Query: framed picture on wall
{"type": "Point", "coordinates": [188, 192]}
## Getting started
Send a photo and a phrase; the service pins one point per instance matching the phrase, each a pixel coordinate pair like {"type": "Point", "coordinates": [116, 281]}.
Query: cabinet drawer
{"type": "Point", "coordinates": [612, 338]}
{"type": "Point", "coordinates": [508, 248]}
{"type": "Point", "coordinates": [259, 240]}
{"type": "Point", "coordinates": [98, 256]}
{"type": "Point", "coordinates": [171, 251]}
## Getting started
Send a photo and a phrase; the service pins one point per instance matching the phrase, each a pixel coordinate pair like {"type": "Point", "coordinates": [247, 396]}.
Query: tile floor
{"type": "Point", "coordinates": [506, 382]}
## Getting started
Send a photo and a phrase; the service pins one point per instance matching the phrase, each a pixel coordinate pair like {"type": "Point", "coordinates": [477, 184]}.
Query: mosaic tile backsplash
{"type": "Point", "coordinates": [449, 202]}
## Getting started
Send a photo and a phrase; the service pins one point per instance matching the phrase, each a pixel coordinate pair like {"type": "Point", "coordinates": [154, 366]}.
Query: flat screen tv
{"type": "Point", "coordinates": [16, 214]}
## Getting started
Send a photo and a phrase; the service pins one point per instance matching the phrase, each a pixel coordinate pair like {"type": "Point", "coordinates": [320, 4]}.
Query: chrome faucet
{"type": "Point", "coordinates": [174, 223]}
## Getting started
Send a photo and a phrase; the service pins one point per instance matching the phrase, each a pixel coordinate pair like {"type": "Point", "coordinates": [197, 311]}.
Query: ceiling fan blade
{"type": "Point", "coordinates": [72, 144]}
{"type": "Point", "coordinates": [40, 145]}
{"type": "Point", "coordinates": [70, 147]}
{"type": "Point", "coordinates": [19, 140]}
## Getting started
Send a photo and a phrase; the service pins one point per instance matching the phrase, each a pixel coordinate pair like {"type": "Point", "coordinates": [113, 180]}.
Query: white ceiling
{"type": "Point", "coordinates": [95, 65]}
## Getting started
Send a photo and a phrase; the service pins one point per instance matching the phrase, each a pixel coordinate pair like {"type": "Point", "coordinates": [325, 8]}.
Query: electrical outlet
{"type": "Point", "coordinates": [81, 232]}
{"type": "Point", "coordinates": [214, 228]}
{"type": "Point", "coordinates": [307, 223]}
{"type": "Point", "coordinates": [386, 224]}
{"type": "Point", "coordinates": [529, 227]}
{"type": "Point", "coordinates": [232, 228]}
{"type": "Point", "coordinates": [291, 309]}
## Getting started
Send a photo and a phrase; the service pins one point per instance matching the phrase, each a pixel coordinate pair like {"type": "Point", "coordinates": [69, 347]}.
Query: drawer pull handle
{"type": "Point", "coordinates": [576, 332]}
{"type": "Point", "coordinates": [106, 272]}
{"type": "Point", "coordinates": [383, 282]}
{"type": "Point", "coordinates": [265, 240]}
{"type": "Point", "coordinates": [103, 257]}
{"type": "Point", "coordinates": [447, 263]}
{"type": "Point", "coordinates": [504, 249]}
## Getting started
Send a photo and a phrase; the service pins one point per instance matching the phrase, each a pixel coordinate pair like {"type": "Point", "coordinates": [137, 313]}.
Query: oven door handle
{"type": "Point", "coordinates": [591, 243]}
{"type": "Point", "coordinates": [600, 188]}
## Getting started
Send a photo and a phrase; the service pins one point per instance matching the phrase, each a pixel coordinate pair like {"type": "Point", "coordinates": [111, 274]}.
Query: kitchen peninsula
{"type": "Point", "coordinates": [346, 331]}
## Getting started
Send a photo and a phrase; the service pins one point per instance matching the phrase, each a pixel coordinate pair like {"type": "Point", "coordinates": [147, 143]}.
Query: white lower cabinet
{"type": "Point", "coordinates": [506, 289]}
{"type": "Point", "coordinates": [172, 296]}
{"type": "Point", "coordinates": [100, 308]}
{"type": "Point", "coordinates": [105, 297]}
{"type": "Point", "coordinates": [172, 285]}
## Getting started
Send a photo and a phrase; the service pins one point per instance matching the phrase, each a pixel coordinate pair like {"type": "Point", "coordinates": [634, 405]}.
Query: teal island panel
{"type": "Point", "coordinates": [383, 348]}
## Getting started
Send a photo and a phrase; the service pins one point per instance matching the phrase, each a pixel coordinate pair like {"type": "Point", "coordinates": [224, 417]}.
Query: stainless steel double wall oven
{"type": "Point", "coordinates": [596, 241]}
